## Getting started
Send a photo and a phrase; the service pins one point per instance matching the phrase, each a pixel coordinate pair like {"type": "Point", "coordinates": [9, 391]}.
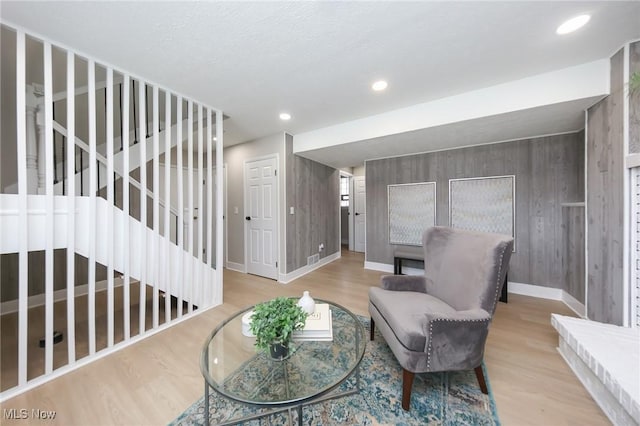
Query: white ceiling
{"type": "Point", "coordinates": [317, 60]}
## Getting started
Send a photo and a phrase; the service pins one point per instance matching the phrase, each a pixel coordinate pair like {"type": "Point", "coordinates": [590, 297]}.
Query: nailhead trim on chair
{"type": "Point", "coordinates": [495, 300]}
{"type": "Point", "coordinates": [429, 347]}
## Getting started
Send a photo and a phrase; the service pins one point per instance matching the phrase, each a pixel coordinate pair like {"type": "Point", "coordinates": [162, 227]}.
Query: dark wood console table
{"type": "Point", "coordinates": [406, 255]}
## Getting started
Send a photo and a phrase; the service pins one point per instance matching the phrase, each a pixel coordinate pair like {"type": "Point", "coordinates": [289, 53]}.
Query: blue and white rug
{"type": "Point", "coordinates": [452, 398]}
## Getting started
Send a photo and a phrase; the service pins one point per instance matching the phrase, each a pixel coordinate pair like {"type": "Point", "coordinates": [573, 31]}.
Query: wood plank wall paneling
{"type": "Point", "coordinates": [634, 101]}
{"type": "Point", "coordinates": [573, 251]}
{"type": "Point", "coordinates": [605, 203]}
{"type": "Point", "coordinates": [313, 190]}
{"type": "Point", "coordinates": [547, 175]}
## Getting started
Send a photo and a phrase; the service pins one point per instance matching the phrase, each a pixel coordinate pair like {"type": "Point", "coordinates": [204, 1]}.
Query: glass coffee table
{"type": "Point", "coordinates": [235, 369]}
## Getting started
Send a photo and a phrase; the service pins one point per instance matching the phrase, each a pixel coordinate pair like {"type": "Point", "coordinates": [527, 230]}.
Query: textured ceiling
{"type": "Point", "coordinates": [317, 60]}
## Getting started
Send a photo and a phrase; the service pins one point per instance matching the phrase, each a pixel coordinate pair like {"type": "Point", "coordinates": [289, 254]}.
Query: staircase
{"type": "Point", "coordinates": [164, 251]}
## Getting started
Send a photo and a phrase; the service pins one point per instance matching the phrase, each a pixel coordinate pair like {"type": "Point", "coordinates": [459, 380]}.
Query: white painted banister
{"type": "Point", "coordinates": [118, 166]}
{"type": "Point", "coordinates": [125, 208]}
{"type": "Point", "coordinates": [22, 225]}
{"type": "Point", "coordinates": [201, 217]}
{"type": "Point", "coordinates": [62, 95]}
{"type": "Point", "coordinates": [111, 201]}
{"type": "Point", "coordinates": [50, 230]}
{"type": "Point", "coordinates": [189, 270]}
{"type": "Point", "coordinates": [156, 273]}
{"type": "Point", "coordinates": [181, 272]}
{"type": "Point", "coordinates": [71, 217]}
{"type": "Point", "coordinates": [93, 187]}
{"type": "Point", "coordinates": [142, 128]}
{"type": "Point", "coordinates": [167, 196]}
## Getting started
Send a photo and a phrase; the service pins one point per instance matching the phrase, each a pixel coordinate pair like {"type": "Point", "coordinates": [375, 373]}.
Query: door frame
{"type": "Point", "coordinates": [349, 209]}
{"type": "Point", "coordinates": [353, 216]}
{"type": "Point", "coordinates": [277, 210]}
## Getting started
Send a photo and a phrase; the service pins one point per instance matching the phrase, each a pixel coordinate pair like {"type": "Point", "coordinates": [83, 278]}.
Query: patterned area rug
{"type": "Point", "coordinates": [452, 398]}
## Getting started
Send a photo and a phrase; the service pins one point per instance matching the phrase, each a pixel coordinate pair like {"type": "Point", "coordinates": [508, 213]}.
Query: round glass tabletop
{"type": "Point", "coordinates": [232, 365]}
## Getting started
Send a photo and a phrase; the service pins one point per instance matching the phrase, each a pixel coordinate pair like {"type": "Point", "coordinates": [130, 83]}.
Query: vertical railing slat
{"type": "Point", "coordinates": [111, 204]}
{"type": "Point", "coordinates": [93, 174]}
{"type": "Point", "coordinates": [201, 218]}
{"type": "Point", "coordinates": [155, 249]}
{"type": "Point", "coordinates": [71, 209]}
{"type": "Point", "coordinates": [210, 212]}
{"type": "Point", "coordinates": [49, 209]}
{"type": "Point", "coordinates": [167, 208]}
{"type": "Point", "coordinates": [23, 256]}
{"type": "Point", "coordinates": [219, 203]}
{"type": "Point", "coordinates": [143, 205]}
{"type": "Point", "coordinates": [126, 238]}
{"type": "Point", "coordinates": [190, 191]}
{"type": "Point", "coordinates": [181, 275]}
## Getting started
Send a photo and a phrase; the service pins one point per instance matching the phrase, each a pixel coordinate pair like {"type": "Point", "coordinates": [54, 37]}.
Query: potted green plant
{"type": "Point", "coordinates": [273, 323]}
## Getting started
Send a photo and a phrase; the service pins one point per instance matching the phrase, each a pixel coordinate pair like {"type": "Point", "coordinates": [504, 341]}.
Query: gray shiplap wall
{"type": "Point", "coordinates": [605, 202]}
{"type": "Point", "coordinates": [573, 250]}
{"type": "Point", "coordinates": [548, 173]}
{"type": "Point", "coordinates": [634, 101]}
{"type": "Point", "coordinates": [313, 192]}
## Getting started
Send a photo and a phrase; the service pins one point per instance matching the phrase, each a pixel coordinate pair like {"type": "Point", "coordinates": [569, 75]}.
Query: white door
{"type": "Point", "coordinates": [360, 211]}
{"type": "Point", "coordinates": [261, 221]}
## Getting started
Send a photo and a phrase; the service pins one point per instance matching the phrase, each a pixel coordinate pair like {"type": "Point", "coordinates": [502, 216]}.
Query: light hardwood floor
{"type": "Point", "coordinates": [151, 382]}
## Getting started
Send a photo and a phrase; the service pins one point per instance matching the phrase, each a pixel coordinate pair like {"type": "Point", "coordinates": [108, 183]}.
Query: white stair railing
{"type": "Point", "coordinates": [81, 221]}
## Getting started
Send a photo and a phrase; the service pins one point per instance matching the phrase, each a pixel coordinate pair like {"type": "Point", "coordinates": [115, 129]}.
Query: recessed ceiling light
{"type": "Point", "coordinates": [285, 116]}
{"type": "Point", "coordinates": [379, 85]}
{"type": "Point", "coordinates": [573, 24]}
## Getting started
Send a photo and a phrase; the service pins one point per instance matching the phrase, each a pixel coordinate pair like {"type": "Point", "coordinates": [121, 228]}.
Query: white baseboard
{"type": "Point", "coordinates": [573, 304]}
{"type": "Point", "coordinates": [11, 306]}
{"type": "Point", "coordinates": [535, 291]}
{"type": "Point", "coordinates": [287, 278]}
{"type": "Point", "coordinates": [239, 267]}
{"type": "Point", "coordinates": [385, 267]}
{"type": "Point", "coordinates": [513, 287]}
{"type": "Point", "coordinates": [375, 266]}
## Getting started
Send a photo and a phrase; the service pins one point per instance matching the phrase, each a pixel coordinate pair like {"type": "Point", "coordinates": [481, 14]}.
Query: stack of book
{"type": "Point", "coordinates": [318, 326]}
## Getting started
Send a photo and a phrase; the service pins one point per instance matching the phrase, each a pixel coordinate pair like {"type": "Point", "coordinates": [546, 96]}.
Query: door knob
{"type": "Point", "coordinates": [357, 214]}
{"type": "Point", "coordinates": [248, 217]}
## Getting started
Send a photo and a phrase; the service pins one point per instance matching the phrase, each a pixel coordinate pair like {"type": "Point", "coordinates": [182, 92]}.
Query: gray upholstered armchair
{"type": "Point", "coordinates": [440, 321]}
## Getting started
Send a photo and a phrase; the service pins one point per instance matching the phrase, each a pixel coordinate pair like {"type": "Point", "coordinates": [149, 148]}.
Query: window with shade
{"type": "Point", "coordinates": [344, 191]}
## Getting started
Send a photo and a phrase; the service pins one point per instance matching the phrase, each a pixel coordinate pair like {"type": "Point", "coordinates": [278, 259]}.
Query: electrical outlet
{"type": "Point", "coordinates": [321, 247]}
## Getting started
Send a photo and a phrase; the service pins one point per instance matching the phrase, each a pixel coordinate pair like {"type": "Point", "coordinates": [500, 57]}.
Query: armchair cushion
{"type": "Point", "coordinates": [404, 312]}
{"type": "Point", "coordinates": [404, 283]}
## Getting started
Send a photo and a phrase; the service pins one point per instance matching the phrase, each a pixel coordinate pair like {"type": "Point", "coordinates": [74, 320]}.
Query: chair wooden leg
{"type": "Point", "coordinates": [372, 329]}
{"type": "Point", "coordinates": [480, 377]}
{"type": "Point", "coordinates": [407, 384]}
